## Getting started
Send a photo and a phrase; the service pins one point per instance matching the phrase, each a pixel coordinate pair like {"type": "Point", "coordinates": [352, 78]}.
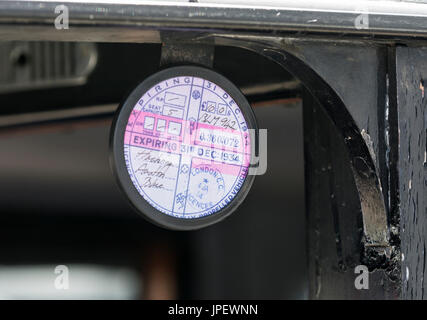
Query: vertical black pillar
{"type": "Point", "coordinates": [411, 76]}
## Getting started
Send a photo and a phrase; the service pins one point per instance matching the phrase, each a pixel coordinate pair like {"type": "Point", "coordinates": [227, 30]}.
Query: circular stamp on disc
{"type": "Point", "coordinates": [181, 147]}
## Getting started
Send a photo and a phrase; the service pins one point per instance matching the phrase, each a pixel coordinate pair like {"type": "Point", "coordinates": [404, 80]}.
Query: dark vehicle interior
{"type": "Point", "coordinates": [60, 204]}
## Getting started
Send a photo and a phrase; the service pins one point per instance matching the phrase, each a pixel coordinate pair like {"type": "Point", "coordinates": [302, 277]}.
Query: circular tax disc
{"type": "Point", "coordinates": [181, 147]}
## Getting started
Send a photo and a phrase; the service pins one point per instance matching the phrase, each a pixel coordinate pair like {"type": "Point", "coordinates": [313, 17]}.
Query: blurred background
{"type": "Point", "coordinates": [60, 205]}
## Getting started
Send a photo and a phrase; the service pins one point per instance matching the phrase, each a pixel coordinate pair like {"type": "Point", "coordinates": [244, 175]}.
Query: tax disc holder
{"type": "Point", "coordinates": [181, 147]}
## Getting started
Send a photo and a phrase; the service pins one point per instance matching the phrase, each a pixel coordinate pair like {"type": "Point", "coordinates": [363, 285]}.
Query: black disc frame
{"type": "Point", "coordinates": [117, 160]}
